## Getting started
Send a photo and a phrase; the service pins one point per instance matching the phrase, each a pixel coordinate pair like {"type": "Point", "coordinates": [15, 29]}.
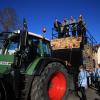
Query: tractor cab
{"type": "Point", "coordinates": [39, 44]}
{"type": "Point", "coordinates": [17, 50]}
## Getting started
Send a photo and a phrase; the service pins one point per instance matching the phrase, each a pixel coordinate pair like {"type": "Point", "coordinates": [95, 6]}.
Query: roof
{"type": "Point", "coordinates": [97, 45]}
{"type": "Point", "coordinates": [34, 34]}
{"type": "Point", "coordinates": [30, 33]}
{"type": "Point", "coordinates": [37, 35]}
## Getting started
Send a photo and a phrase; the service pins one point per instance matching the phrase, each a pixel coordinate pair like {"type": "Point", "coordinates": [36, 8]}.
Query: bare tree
{"type": "Point", "coordinates": [8, 19]}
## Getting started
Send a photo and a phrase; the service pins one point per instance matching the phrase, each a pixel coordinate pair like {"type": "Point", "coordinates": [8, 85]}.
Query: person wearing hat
{"type": "Point", "coordinates": [81, 30]}
{"type": "Point", "coordinates": [57, 27]}
{"type": "Point", "coordinates": [65, 27]}
{"type": "Point", "coordinates": [73, 25]}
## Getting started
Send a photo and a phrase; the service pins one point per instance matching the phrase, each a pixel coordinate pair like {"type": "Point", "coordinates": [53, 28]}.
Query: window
{"type": "Point", "coordinates": [46, 49]}
{"type": "Point", "coordinates": [12, 47]}
{"type": "Point", "coordinates": [35, 43]}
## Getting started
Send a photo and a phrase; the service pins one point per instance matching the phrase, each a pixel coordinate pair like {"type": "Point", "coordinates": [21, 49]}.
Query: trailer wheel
{"type": "Point", "coordinates": [52, 84]}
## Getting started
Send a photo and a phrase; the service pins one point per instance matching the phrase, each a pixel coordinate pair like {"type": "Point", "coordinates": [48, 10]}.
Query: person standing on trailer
{"type": "Point", "coordinates": [81, 30]}
{"type": "Point", "coordinates": [73, 25]}
{"type": "Point", "coordinates": [65, 27]}
{"type": "Point", "coordinates": [57, 27]}
{"type": "Point", "coordinates": [82, 78]}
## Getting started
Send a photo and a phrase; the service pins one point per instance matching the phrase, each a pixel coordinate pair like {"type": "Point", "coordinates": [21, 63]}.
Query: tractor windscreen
{"type": "Point", "coordinates": [11, 45]}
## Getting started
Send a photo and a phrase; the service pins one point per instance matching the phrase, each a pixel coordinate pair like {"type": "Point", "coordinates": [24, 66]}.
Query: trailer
{"type": "Point", "coordinates": [74, 50]}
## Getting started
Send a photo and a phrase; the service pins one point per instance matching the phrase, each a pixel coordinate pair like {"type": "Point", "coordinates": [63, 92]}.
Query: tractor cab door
{"type": "Point", "coordinates": [45, 48]}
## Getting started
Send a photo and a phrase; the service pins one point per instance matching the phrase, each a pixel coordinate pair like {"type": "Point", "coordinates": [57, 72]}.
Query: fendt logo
{"type": "Point", "coordinates": [5, 63]}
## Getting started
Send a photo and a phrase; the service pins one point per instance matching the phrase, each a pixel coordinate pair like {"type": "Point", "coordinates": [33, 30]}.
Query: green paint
{"type": "Point", "coordinates": [4, 69]}
{"type": "Point", "coordinates": [8, 58]}
{"type": "Point", "coordinates": [32, 66]}
{"type": "Point", "coordinates": [5, 63]}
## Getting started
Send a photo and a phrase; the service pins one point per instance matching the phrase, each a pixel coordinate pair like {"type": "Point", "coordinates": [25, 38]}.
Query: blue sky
{"type": "Point", "coordinates": [41, 13]}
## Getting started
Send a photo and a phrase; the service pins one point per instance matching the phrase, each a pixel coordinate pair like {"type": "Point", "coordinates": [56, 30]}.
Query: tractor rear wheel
{"type": "Point", "coordinates": [52, 84]}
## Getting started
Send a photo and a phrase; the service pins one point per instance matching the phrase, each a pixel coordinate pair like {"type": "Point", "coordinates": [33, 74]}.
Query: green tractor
{"type": "Point", "coordinates": [28, 71]}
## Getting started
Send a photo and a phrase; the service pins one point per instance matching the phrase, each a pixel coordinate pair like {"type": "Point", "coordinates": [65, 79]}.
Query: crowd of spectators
{"type": "Point", "coordinates": [87, 79]}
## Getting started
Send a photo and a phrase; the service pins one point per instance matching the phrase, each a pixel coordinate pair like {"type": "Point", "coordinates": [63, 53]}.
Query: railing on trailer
{"type": "Point", "coordinates": [88, 37]}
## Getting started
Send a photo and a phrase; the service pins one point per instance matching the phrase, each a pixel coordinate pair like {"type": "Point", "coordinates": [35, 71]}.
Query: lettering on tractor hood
{"type": "Point", "coordinates": [5, 63]}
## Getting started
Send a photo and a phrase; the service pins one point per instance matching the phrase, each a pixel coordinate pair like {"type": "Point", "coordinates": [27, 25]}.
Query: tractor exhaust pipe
{"type": "Point", "coordinates": [24, 36]}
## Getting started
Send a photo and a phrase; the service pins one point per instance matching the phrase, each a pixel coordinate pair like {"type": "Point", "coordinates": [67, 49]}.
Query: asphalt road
{"type": "Point", "coordinates": [90, 93]}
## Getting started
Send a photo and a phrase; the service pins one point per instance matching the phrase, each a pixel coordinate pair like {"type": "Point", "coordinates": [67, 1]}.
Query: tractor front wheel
{"type": "Point", "coordinates": [52, 84]}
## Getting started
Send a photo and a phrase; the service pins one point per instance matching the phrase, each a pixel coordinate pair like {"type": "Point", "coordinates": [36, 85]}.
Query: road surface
{"type": "Point", "coordinates": [90, 93]}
